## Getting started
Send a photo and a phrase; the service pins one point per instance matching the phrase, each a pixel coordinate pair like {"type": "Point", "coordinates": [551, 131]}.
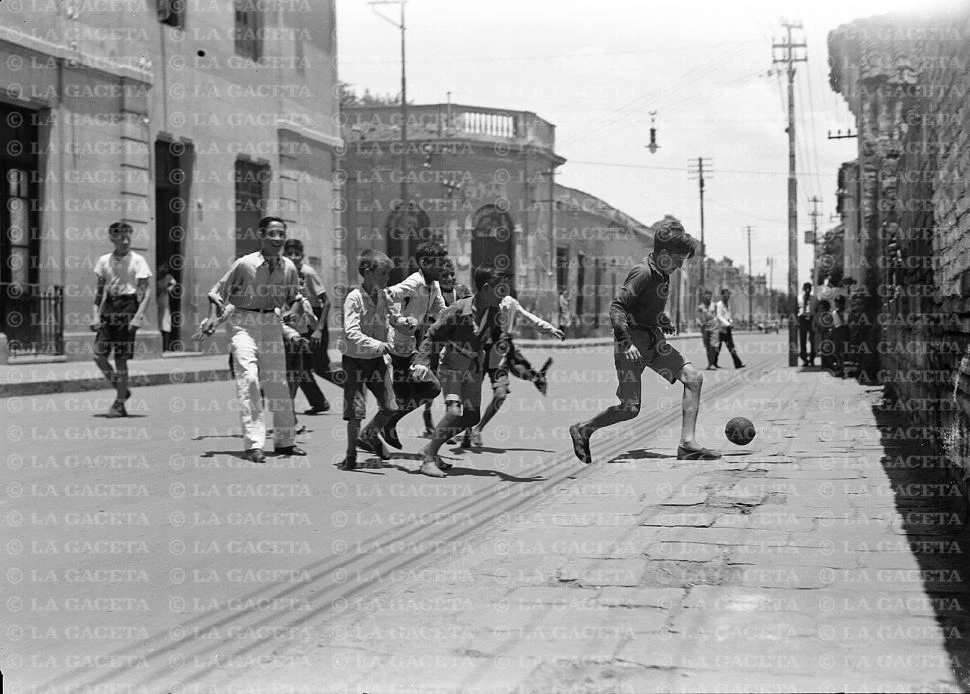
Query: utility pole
{"type": "Point", "coordinates": [404, 216]}
{"type": "Point", "coordinates": [750, 281]}
{"type": "Point", "coordinates": [789, 59]}
{"type": "Point", "coordinates": [698, 173]}
{"type": "Point", "coordinates": [816, 201]}
{"type": "Point", "coordinates": [771, 290]}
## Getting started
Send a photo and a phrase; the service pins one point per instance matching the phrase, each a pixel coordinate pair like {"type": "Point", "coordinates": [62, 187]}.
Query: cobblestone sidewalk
{"type": "Point", "coordinates": [824, 556]}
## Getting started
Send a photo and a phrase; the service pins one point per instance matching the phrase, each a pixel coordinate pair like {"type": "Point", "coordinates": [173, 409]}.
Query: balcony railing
{"type": "Point", "coordinates": [33, 319]}
{"type": "Point", "coordinates": [443, 121]}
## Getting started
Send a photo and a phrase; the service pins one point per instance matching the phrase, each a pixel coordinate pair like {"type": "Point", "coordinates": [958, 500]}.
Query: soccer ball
{"type": "Point", "coordinates": [740, 431]}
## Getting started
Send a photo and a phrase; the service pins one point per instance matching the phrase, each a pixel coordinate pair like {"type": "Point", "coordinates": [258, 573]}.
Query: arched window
{"type": "Point", "coordinates": [404, 230]}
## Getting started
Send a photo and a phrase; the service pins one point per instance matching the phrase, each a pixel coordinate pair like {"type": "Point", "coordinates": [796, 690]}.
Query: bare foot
{"type": "Point", "coordinates": [429, 468]}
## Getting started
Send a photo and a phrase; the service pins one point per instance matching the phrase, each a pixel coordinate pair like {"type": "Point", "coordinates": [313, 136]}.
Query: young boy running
{"type": "Point", "coordinates": [472, 338]}
{"type": "Point", "coordinates": [451, 291]}
{"type": "Point", "coordinates": [420, 301]}
{"type": "Point", "coordinates": [639, 325]}
{"type": "Point", "coordinates": [363, 344]}
{"type": "Point", "coordinates": [510, 310]}
{"type": "Point", "coordinates": [120, 300]}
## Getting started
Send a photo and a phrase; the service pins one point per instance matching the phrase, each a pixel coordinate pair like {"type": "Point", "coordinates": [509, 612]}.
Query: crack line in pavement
{"type": "Point", "coordinates": [488, 506]}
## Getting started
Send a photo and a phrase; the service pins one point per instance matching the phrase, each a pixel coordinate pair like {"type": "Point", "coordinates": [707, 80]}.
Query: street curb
{"type": "Point", "coordinates": [175, 376]}
{"type": "Point", "coordinates": [9, 390]}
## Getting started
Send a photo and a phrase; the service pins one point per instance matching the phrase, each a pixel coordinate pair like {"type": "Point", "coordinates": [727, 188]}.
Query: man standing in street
{"type": "Point", "coordinates": [725, 325]}
{"type": "Point", "coordinates": [120, 299]}
{"type": "Point", "coordinates": [256, 285]}
{"type": "Point", "coordinates": [707, 319]}
{"type": "Point", "coordinates": [806, 329]}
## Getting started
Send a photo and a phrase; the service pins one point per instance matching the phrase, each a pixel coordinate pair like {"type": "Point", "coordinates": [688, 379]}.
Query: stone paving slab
{"type": "Point", "coordinates": [796, 569]}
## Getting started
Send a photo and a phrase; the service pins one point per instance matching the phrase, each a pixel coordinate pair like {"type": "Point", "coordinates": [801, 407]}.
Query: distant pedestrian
{"type": "Point", "coordinates": [364, 343]}
{"type": "Point", "coordinates": [120, 299]}
{"type": "Point", "coordinates": [420, 302]}
{"type": "Point", "coordinates": [707, 320]}
{"type": "Point", "coordinates": [725, 328]}
{"type": "Point", "coordinates": [565, 317]}
{"type": "Point", "coordinates": [840, 335]}
{"type": "Point", "coordinates": [807, 305]}
{"type": "Point", "coordinates": [639, 327]}
{"type": "Point", "coordinates": [822, 323]}
{"type": "Point", "coordinates": [258, 286]}
{"type": "Point", "coordinates": [164, 289]}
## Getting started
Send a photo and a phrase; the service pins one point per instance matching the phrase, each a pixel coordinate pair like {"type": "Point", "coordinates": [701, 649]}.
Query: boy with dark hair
{"type": "Point", "coordinates": [639, 328]}
{"type": "Point", "coordinates": [364, 343]}
{"type": "Point", "coordinates": [451, 291]}
{"type": "Point", "coordinates": [258, 285]}
{"type": "Point", "coordinates": [420, 302]}
{"type": "Point", "coordinates": [305, 358]}
{"type": "Point", "coordinates": [473, 342]}
{"type": "Point", "coordinates": [509, 311]}
{"type": "Point", "coordinates": [120, 299]}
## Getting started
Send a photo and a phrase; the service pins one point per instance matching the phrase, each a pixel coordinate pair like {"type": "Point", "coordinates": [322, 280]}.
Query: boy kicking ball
{"type": "Point", "coordinates": [639, 328]}
{"type": "Point", "coordinates": [471, 334]}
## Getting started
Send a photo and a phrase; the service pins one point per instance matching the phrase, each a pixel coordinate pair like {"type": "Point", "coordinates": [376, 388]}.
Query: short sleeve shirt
{"type": "Point", "coordinates": [121, 275]}
{"type": "Point", "coordinates": [252, 284]}
{"type": "Point", "coordinates": [313, 286]}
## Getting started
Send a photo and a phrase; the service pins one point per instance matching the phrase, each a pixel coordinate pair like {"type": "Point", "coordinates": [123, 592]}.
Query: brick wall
{"type": "Point", "coordinates": [906, 80]}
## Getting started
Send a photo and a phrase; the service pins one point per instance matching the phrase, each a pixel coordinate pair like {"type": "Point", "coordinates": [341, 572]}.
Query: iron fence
{"type": "Point", "coordinates": [33, 318]}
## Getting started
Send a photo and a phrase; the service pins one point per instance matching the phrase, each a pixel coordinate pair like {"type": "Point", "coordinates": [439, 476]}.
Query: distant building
{"type": "Point", "coordinates": [482, 181]}
{"type": "Point", "coordinates": [187, 120]}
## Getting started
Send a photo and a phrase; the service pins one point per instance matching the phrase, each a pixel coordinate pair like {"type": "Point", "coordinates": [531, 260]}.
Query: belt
{"type": "Point", "coordinates": [257, 310]}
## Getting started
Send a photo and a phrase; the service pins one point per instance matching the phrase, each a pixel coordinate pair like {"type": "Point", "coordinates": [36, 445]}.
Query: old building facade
{"type": "Point", "coordinates": [905, 79]}
{"type": "Point", "coordinates": [482, 181]}
{"type": "Point", "coordinates": [188, 120]}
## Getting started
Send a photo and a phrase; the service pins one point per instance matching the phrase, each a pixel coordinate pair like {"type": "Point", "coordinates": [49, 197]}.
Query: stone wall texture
{"type": "Point", "coordinates": [906, 79]}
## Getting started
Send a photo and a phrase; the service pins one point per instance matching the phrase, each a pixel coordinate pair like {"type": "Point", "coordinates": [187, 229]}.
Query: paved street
{"type": "Point", "coordinates": [145, 555]}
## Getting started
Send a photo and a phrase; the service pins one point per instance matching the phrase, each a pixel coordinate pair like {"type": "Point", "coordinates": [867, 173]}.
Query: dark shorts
{"type": "Point", "coordinates": [462, 386]}
{"type": "Point", "coordinates": [364, 375]}
{"type": "Point", "coordinates": [500, 382]}
{"type": "Point", "coordinates": [115, 333]}
{"type": "Point", "coordinates": [657, 354]}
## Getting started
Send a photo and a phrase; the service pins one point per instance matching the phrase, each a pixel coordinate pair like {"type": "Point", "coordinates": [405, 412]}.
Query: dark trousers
{"type": "Point", "coordinates": [806, 331]}
{"type": "Point", "coordinates": [709, 338]}
{"type": "Point", "coordinates": [299, 374]}
{"type": "Point", "coordinates": [409, 392]}
{"type": "Point", "coordinates": [727, 339]}
{"type": "Point", "coordinates": [321, 358]}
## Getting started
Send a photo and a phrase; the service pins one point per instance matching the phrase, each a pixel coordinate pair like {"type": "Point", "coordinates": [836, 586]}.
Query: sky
{"type": "Point", "coordinates": [595, 70]}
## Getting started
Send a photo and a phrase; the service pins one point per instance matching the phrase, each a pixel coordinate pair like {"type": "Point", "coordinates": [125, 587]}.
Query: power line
{"type": "Point", "coordinates": [674, 168]}
{"type": "Point", "coordinates": [636, 105]}
{"type": "Point", "coordinates": [551, 56]}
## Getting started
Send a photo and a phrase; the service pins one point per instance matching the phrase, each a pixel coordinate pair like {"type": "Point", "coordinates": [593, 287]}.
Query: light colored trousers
{"type": "Point", "coordinates": [259, 360]}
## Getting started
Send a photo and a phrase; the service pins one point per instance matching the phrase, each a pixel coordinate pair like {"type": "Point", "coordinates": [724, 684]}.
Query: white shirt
{"type": "Point", "coordinates": [418, 300]}
{"type": "Point", "coordinates": [806, 308]}
{"type": "Point", "coordinates": [121, 275]}
{"type": "Point", "coordinates": [510, 308]}
{"type": "Point", "coordinates": [723, 314]}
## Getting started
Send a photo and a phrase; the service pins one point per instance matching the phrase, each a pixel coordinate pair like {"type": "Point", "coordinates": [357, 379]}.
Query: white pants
{"type": "Point", "coordinates": [260, 363]}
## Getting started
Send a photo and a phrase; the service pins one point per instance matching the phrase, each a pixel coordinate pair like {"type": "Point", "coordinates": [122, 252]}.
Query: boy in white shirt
{"type": "Point", "coordinates": [120, 300]}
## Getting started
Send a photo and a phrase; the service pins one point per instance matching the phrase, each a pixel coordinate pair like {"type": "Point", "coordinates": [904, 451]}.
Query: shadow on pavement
{"type": "Point", "coordinates": [638, 454]}
{"type": "Point", "coordinates": [933, 515]}
{"type": "Point", "coordinates": [241, 455]}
